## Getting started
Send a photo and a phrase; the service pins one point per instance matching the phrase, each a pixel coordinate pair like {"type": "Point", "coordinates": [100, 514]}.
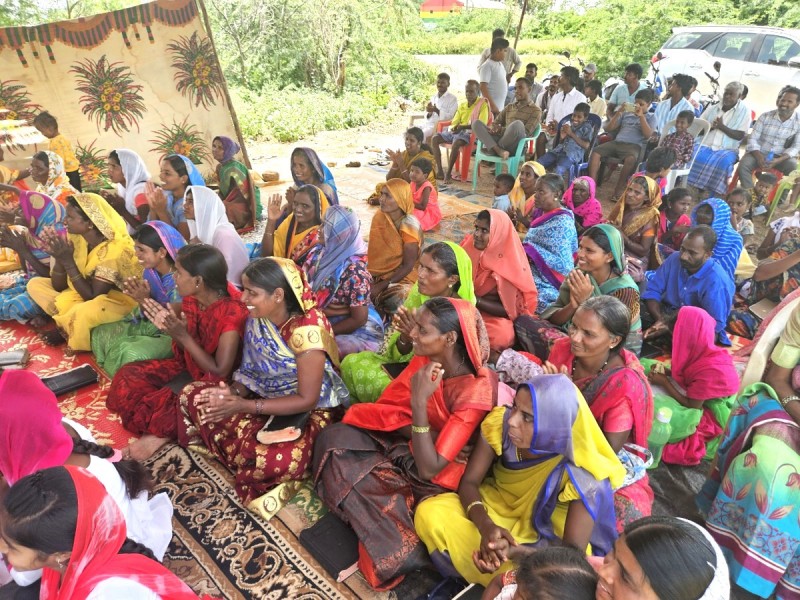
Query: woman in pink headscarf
{"type": "Point", "coordinates": [700, 388]}
{"type": "Point", "coordinates": [580, 199]}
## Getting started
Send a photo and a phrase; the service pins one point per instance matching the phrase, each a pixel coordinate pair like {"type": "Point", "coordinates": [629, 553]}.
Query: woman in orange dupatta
{"type": "Point", "coordinates": [299, 232]}
{"type": "Point", "coordinates": [395, 240]}
{"type": "Point", "coordinates": [522, 196]}
{"type": "Point", "coordinates": [502, 276]}
{"type": "Point", "coordinates": [373, 468]}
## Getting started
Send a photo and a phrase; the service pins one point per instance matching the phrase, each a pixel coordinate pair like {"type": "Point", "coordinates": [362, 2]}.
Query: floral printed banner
{"type": "Point", "coordinates": [144, 78]}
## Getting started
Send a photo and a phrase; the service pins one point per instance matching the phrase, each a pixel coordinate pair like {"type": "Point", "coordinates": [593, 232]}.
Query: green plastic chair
{"type": "Point", "coordinates": [513, 162]}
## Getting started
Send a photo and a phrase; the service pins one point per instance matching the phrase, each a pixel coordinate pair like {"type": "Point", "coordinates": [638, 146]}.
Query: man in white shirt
{"type": "Point", "coordinates": [492, 76]}
{"type": "Point", "coordinates": [512, 62]}
{"type": "Point", "coordinates": [561, 105]}
{"type": "Point", "coordinates": [441, 107]}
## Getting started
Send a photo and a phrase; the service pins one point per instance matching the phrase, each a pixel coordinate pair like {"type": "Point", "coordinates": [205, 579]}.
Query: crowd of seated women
{"type": "Point", "coordinates": [389, 356]}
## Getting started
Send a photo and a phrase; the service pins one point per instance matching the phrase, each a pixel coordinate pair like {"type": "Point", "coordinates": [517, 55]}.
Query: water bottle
{"type": "Point", "coordinates": [659, 436]}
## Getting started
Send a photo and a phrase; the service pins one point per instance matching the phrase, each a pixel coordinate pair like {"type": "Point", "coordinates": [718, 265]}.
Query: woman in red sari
{"type": "Point", "coordinates": [288, 368]}
{"type": "Point", "coordinates": [384, 458]}
{"type": "Point", "coordinates": [206, 332]}
{"type": "Point", "coordinates": [502, 276]}
{"type": "Point", "coordinates": [62, 519]}
{"type": "Point", "coordinates": [615, 387]}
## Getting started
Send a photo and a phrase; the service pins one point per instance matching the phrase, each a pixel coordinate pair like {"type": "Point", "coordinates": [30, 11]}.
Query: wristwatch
{"type": "Point", "coordinates": [785, 401]}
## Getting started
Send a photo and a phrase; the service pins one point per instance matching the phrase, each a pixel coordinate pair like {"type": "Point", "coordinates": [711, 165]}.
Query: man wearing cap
{"type": "Point", "coordinates": [589, 72]}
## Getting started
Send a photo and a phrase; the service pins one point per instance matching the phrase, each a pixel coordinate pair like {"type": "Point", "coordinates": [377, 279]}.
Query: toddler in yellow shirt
{"type": "Point", "coordinates": [48, 127]}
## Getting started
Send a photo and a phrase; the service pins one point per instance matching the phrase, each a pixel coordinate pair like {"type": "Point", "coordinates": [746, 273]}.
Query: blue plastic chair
{"type": "Point", "coordinates": [513, 162]}
{"type": "Point", "coordinates": [583, 167]}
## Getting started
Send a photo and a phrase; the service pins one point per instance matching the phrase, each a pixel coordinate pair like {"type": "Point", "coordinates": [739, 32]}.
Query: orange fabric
{"type": "Point", "coordinates": [386, 240]}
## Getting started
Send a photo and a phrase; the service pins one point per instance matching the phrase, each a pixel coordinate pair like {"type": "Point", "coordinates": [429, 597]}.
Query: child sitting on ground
{"type": "Point", "coordinates": [48, 127]}
{"type": "Point", "coordinates": [739, 201]}
{"type": "Point", "coordinates": [573, 140]}
{"type": "Point", "coordinates": [424, 195]}
{"type": "Point", "coordinates": [657, 166]}
{"type": "Point", "coordinates": [674, 221]}
{"type": "Point", "coordinates": [503, 184]}
{"type": "Point", "coordinates": [681, 141]}
{"type": "Point", "coordinates": [760, 193]}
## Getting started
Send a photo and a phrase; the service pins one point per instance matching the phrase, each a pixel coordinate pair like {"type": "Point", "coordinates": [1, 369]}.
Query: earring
{"type": "Point", "coordinates": [451, 285]}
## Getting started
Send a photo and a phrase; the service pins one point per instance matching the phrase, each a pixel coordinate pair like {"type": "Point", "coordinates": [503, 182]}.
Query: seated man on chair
{"type": "Point", "coordinates": [475, 109]}
{"type": "Point", "coordinates": [690, 277]}
{"type": "Point", "coordinates": [515, 122]}
{"type": "Point", "coordinates": [441, 107]}
{"type": "Point", "coordinates": [573, 140]}
{"type": "Point", "coordinates": [775, 140]}
{"type": "Point", "coordinates": [633, 125]}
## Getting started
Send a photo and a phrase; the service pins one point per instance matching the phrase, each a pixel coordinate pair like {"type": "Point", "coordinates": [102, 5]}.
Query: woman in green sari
{"type": "Point", "coordinates": [236, 187]}
{"type": "Point", "coordinates": [135, 337]}
{"type": "Point", "coordinates": [445, 269]}
{"type": "Point", "coordinates": [600, 272]}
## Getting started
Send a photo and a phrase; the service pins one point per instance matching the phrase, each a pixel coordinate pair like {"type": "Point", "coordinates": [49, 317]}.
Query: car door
{"type": "Point", "coordinates": [732, 50]}
{"type": "Point", "coordinates": [769, 71]}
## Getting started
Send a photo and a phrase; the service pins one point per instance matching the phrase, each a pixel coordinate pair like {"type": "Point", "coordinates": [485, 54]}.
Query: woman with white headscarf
{"type": "Point", "coordinates": [127, 171]}
{"type": "Point", "coordinates": [209, 224]}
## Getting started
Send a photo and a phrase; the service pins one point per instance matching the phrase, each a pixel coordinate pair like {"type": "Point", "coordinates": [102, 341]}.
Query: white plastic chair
{"type": "Point", "coordinates": [699, 128]}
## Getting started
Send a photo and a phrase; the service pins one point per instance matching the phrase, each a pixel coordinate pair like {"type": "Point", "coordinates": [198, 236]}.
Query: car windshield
{"type": "Point", "coordinates": [689, 39]}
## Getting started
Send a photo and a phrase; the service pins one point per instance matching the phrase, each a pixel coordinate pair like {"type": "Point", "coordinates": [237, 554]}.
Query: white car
{"type": "Point", "coordinates": [765, 59]}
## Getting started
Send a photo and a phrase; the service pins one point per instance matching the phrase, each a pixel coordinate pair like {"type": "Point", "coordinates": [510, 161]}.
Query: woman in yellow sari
{"type": "Point", "coordinates": [552, 478]}
{"type": "Point", "coordinates": [401, 161]}
{"type": "Point", "coordinates": [522, 195]}
{"type": "Point", "coordinates": [637, 216]}
{"type": "Point", "coordinates": [299, 232]}
{"type": "Point", "coordinates": [88, 269]}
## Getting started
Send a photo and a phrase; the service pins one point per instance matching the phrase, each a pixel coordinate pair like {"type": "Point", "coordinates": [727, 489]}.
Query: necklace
{"type": "Point", "coordinates": [458, 369]}
{"type": "Point", "coordinates": [575, 361]}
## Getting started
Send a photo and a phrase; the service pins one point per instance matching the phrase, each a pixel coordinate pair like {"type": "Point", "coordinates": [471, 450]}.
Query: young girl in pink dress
{"type": "Point", "coordinates": [425, 196]}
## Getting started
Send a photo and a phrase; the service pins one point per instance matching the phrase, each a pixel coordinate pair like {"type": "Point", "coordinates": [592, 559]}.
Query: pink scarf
{"type": "Point", "coordinates": [590, 212]}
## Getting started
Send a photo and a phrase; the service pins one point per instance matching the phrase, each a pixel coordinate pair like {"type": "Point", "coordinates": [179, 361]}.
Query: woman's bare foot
{"type": "Point", "coordinates": [448, 179]}
{"type": "Point", "coordinates": [53, 337]}
{"type": "Point", "coordinates": [40, 322]}
{"type": "Point", "coordinates": [144, 447]}
{"type": "Point", "coordinates": [439, 174]}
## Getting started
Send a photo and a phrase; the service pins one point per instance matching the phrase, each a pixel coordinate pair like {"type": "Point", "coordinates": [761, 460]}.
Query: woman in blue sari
{"type": "Point", "coordinates": [552, 240]}
{"type": "Point", "coordinates": [716, 213]}
{"type": "Point", "coordinates": [166, 203]}
{"type": "Point", "coordinates": [308, 169]}
{"type": "Point", "coordinates": [288, 369]}
{"type": "Point", "coordinates": [38, 212]}
{"type": "Point", "coordinates": [135, 337]}
{"type": "Point", "coordinates": [337, 272]}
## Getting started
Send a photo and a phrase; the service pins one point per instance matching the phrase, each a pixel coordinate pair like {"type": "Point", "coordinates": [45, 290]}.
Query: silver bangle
{"type": "Point", "coordinates": [785, 401]}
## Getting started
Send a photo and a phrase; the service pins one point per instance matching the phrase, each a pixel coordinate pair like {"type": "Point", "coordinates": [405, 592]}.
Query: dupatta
{"type": "Point", "coordinates": [296, 244]}
{"type": "Point", "coordinates": [136, 176]}
{"type": "Point", "coordinates": [545, 245]}
{"type": "Point", "coordinates": [566, 428]}
{"type": "Point", "coordinates": [648, 215]}
{"type": "Point", "coordinates": [113, 260]}
{"type": "Point", "coordinates": [590, 212]}
{"type": "Point", "coordinates": [235, 182]}
{"type": "Point", "coordinates": [39, 211]}
{"type": "Point", "coordinates": [195, 178]}
{"type": "Point", "coordinates": [99, 535]}
{"type": "Point", "coordinates": [503, 265]}
{"type": "Point", "coordinates": [162, 286]}
{"type": "Point", "coordinates": [517, 194]}
{"type": "Point", "coordinates": [392, 411]}
{"type": "Point", "coordinates": [699, 366]}
{"type": "Point", "coordinates": [57, 185]}
{"type": "Point", "coordinates": [323, 173]}
{"type": "Point", "coordinates": [342, 244]}
{"type": "Point", "coordinates": [269, 356]}
{"type": "Point", "coordinates": [31, 432]}
{"type": "Point", "coordinates": [729, 244]}
{"type": "Point", "coordinates": [385, 250]}
{"type": "Point", "coordinates": [466, 286]}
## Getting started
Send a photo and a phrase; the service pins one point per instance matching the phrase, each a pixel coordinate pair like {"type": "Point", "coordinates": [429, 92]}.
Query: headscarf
{"type": "Point", "coordinates": [617, 244]}
{"type": "Point", "coordinates": [229, 148]}
{"type": "Point", "coordinates": [39, 211]}
{"type": "Point", "coordinates": [517, 194]}
{"type": "Point", "coordinates": [729, 244]}
{"type": "Point", "coordinates": [503, 261]}
{"type": "Point", "coordinates": [289, 227]}
{"type": "Point", "coordinates": [385, 252]}
{"type": "Point", "coordinates": [57, 180]}
{"type": "Point", "coordinates": [136, 176]}
{"type": "Point", "coordinates": [109, 223]}
{"type": "Point", "coordinates": [564, 426]}
{"type": "Point", "coordinates": [209, 214]}
{"type": "Point", "coordinates": [173, 241]}
{"type": "Point", "coordinates": [323, 173]}
{"type": "Point", "coordinates": [30, 426]}
{"type": "Point", "coordinates": [99, 535]}
{"type": "Point", "coordinates": [466, 286]}
{"type": "Point", "coordinates": [591, 211]}
{"type": "Point", "coordinates": [720, 586]}
{"type": "Point", "coordinates": [341, 232]}
{"type": "Point", "coordinates": [649, 213]}
{"type": "Point", "coordinates": [699, 366]}
{"type": "Point", "coordinates": [195, 179]}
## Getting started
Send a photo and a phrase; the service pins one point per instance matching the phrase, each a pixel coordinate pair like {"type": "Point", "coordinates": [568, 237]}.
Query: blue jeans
{"type": "Point", "coordinates": [556, 162]}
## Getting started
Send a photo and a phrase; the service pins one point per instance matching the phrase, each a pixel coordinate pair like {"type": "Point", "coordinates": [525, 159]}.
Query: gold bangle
{"type": "Point", "coordinates": [416, 429]}
{"type": "Point", "coordinates": [472, 505]}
